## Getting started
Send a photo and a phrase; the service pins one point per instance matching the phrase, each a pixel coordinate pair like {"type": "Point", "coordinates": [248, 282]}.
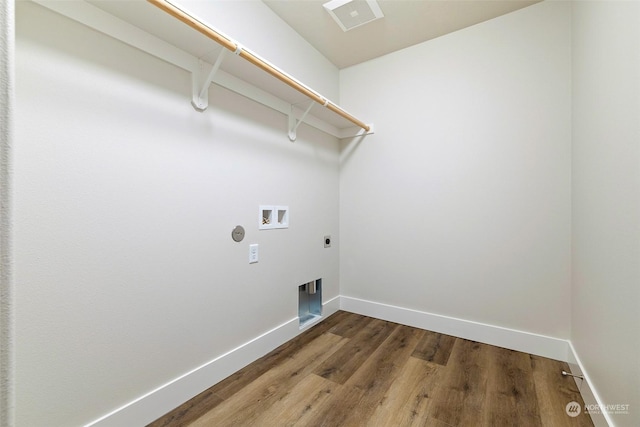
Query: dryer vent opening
{"type": "Point", "coordinates": [309, 302]}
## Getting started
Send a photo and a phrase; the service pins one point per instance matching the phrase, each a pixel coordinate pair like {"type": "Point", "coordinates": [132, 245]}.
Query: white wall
{"type": "Point", "coordinates": [252, 24]}
{"type": "Point", "coordinates": [460, 204]}
{"type": "Point", "coordinates": [606, 200]}
{"type": "Point", "coordinates": [126, 273]}
{"type": "Point", "coordinates": [7, 112]}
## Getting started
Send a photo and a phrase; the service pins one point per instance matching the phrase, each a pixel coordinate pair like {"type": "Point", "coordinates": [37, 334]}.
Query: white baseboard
{"type": "Point", "coordinates": [330, 307]}
{"type": "Point", "coordinates": [158, 402]}
{"type": "Point", "coordinates": [589, 394]}
{"type": "Point", "coordinates": [540, 345]}
{"type": "Point", "coordinates": [527, 342]}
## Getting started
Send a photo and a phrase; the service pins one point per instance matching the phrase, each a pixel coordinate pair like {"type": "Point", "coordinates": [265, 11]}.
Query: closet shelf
{"type": "Point", "coordinates": [152, 27]}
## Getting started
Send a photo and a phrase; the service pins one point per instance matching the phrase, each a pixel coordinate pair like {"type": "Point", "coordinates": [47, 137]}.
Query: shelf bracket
{"type": "Point", "coordinates": [294, 123]}
{"type": "Point", "coordinates": [200, 85]}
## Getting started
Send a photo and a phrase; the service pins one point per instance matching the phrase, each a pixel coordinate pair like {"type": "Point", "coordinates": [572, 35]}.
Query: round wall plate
{"type": "Point", "coordinates": [237, 234]}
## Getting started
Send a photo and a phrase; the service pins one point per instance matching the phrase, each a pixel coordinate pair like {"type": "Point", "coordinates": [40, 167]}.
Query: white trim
{"type": "Point", "coordinates": [158, 402]}
{"type": "Point", "coordinates": [589, 394]}
{"type": "Point", "coordinates": [553, 348]}
{"type": "Point", "coordinates": [99, 20]}
{"type": "Point", "coordinates": [331, 306]}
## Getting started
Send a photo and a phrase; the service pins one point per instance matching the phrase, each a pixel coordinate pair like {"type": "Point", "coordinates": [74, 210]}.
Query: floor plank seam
{"type": "Point", "coordinates": [355, 370]}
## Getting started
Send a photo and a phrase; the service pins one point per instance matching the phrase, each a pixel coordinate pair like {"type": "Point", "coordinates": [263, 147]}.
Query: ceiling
{"type": "Point", "coordinates": [405, 23]}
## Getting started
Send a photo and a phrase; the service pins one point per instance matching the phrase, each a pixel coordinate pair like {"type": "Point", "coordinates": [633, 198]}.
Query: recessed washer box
{"type": "Point", "coordinates": [270, 217]}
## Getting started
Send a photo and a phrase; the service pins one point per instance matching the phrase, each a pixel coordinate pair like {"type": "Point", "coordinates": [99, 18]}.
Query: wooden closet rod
{"type": "Point", "coordinates": [234, 47]}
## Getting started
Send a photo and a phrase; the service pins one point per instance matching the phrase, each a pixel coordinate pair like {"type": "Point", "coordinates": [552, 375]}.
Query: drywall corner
{"type": "Point", "coordinates": [7, 46]}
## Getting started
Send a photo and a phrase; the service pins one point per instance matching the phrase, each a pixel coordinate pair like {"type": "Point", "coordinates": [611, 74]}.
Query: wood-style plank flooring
{"type": "Point", "coordinates": [352, 370]}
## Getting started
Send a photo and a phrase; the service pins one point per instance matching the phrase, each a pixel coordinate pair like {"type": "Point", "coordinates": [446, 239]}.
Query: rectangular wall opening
{"type": "Point", "coordinates": [283, 217]}
{"type": "Point", "coordinates": [309, 302]}
{"type": "Point", "coordinates": [266, 217]}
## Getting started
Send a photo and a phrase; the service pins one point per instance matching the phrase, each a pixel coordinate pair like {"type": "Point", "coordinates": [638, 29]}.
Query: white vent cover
{"type": "Point", "coordinates": [350, 14]}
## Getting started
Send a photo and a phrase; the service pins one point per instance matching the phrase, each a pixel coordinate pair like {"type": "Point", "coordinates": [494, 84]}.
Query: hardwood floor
{"type": "Point", "coordinates": [352, 370]}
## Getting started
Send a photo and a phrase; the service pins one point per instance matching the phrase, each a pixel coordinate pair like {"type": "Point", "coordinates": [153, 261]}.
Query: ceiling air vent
{"type": "Point", "coordinates": [350, 14]}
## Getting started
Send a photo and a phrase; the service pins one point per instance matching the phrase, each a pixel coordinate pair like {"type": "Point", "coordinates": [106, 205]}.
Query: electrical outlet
{"type": "Point", "coordinates": [253, 254]}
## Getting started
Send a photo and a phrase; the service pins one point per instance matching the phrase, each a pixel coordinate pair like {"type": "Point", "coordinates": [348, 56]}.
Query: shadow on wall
{"type": "Point", "coordinates": [349, 146]}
